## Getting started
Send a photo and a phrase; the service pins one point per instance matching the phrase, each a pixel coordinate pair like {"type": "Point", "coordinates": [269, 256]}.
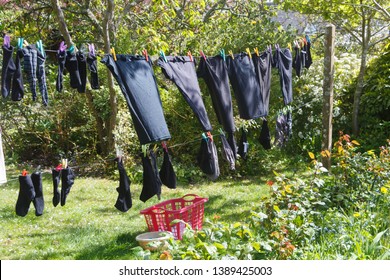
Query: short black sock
{"type": "Point", "coordinates": [124, 201]}
{"type": "Point", "coordinates": [67, 180]}
{"type": "Point", "coordinates": [38, 201]}
{"type": "Point", "coordinates": [26, 195]}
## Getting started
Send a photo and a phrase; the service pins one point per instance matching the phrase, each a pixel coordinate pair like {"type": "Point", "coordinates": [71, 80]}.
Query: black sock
{"type": "Point", "coordinates": [151, 184]}
{"type": "Point", "coordinates": [124, 202]}
{"type": "Point", "coordinates": [38, 201]}
{"type": "Point", "coordinates": [26, 195]}
{"type": "Point", "coordinates": [67, 180]}
{"type": "Point", "coordinates": [82, 63]}
{"type": "Point", "coordinates": [167, 174]}
{"type": "Point", "coordinates": [92, 65]}
{"type": "Point", "coordinates": [265, 136]}
{"type": "Point", "coordinates": [56, 181]}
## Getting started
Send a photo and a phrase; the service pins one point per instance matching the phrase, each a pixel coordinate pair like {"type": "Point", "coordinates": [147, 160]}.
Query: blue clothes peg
{"type": "Point", "coordinates": [162, 54]}
{"type": "Point", "coordinates": [222, 53]}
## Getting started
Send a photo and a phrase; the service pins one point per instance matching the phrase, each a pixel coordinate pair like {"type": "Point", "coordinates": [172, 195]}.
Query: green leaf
{"type": "Point", "coordinates": [379, 236]}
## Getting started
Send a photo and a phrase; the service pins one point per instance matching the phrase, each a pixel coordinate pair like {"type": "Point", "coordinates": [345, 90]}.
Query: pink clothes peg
{"type": "Point", "coordinates": [7, 41]}
{"type": "Point", "coordinates": [91, 48]}
{"type": "Point", "coordinates": [62, 47]}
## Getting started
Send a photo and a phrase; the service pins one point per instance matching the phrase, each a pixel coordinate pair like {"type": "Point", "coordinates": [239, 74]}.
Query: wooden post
{"type": "Point", "coordinates": [327, 108]}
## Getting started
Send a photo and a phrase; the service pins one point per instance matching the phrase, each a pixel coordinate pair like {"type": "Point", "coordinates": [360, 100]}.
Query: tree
{"type": "Point", "coordinates": [366, 21]}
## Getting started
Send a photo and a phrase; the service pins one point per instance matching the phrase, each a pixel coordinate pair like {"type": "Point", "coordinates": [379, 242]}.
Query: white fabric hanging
{"type": "Point", "coordinates": [3, 176]}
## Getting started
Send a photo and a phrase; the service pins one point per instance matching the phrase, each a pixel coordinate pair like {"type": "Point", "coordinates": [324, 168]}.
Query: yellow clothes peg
{"type": "Point", "coordinates": [231, 54]}
{"type": "Point", "coordinates": [249, 53]}
{"type": "Point", "coordinates": [289, 46]}
{"type": "Point", "coordinates": [113, 53]}
{"type": "Point", "coordinates": [256, 50]}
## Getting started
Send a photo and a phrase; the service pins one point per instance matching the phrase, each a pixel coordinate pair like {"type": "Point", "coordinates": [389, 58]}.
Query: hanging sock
{"type": "Point", "coordinates": [8, 70]}
{"type": "Point", "coordinates": [208, 158]}
{"type": "Point", "coordinates": [61, 58]}
{"type": "Point", "coordinates": [265, 136]}
{"type": "Point", "coordinates": [151, 179]}
{"type": "Point", "coordinates": [124, 201]}
{"type": "Point", "coordinates": [228, 153]}
{"type": "Point", "coordinates": [167, 174]}
{"type": "Point", "coordinates": [283, 128]}
{"type": "Point", "coordinates": [41, 76]}
{"type": "Point", "coordinates": [82, 63]}
{"type": "Point", "coordinates": [92, 66]}
{"type": "Point", "coordinates": [17, 83]}
{"type": "Point", "coordinates": [30, 68]}
{"type": "Point", "coordinates": [38, 201]}
{"type": "Point", "coordinates": [56, 174]}
{"type": "Point", "coordinates": [243, 146]}
{"type": "Point", "coordinates": [67, 181]}
{"type": "Point", "coordinates": [26, 195]}
{"type": "Point", "coordinates": [72, 66]}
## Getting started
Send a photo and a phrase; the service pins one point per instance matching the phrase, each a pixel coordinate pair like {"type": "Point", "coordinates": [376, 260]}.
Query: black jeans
{"type": "Point", "coordinates": [283, 61]}
{"type": "Point", "coordinates": [136, 79]}
{"type": "Point", "coordinates": [181, 70]}
{"type": "Point", "coordinates": [263, 67]}
{"type": "Point", "coordinates": [245, 85]}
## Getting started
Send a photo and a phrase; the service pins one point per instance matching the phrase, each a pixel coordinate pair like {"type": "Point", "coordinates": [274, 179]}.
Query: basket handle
{"type": "Point", "coordinates": [189, 197]}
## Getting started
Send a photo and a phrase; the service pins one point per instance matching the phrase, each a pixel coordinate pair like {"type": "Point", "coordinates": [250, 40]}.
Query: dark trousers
{"type": "Point", "coordinates": [181, 70]}
{"type": "Point", "coordinates": [283, 61]}
{"type": "Point", "coordinates": [136, 79]}
{"type": "Point", "coordinates": [263, 67]}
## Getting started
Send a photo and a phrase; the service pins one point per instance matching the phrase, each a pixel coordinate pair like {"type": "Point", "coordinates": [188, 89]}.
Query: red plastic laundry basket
{"type": "Point", "coordinates": [189, 209]}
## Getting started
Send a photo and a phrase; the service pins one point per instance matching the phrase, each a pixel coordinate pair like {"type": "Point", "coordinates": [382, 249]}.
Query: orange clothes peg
{"type": "Point", "coordinates": [145, 53]}
{"type": "Point", "coordinates": [24, 172]}
{"type": "Point", "coordinates": [190, 55]}
{"type": "Point", "coordinates": [113, 53]}
{"type": "Point", "coordinates": [202, 54]}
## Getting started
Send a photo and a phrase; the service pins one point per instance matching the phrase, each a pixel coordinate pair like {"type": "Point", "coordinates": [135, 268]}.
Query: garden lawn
{"type": "Point", "coordinates": [90, 227]}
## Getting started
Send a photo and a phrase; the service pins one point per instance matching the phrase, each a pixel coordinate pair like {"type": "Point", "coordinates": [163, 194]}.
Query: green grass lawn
{"type": "Point", "coordinates": [90, 227]}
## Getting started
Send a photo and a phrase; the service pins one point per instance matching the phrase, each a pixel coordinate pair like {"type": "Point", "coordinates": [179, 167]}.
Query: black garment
{"type": "Point", "coordinates": [92, 66]}
{"type": "Point", "coordinates": [17, 84]}
{"type": "Point", "coordinates": [307, 57]}
{"type": "Point", "coordinates": [245, 85]}
{"type": "Point", "coordinates": [265, 136]}
{"type": "Point", "coordinates": [151, 184]}
{"type": "Point", "coordinates": [181, 70]}
{"type": "Point", "coordinates": [67, 181]}
{"type": "Point", "coordinates": [283, 128]}
{"type": "Point", "coordinates": [138, 84]}
{"type": "Point", "coordinates": [56, 175]}
{"type": "Point", "coordinates": [283, 61]}
{"type": "Point", "coordinates": [298, 62]}
{"type": "Point", "coordinates": [263, 67]}
{"type": "Point", "coordinates": [82, 64]}
{"type": "Point", "coordinates": [72, 65]}
{"type": "Point", "coordinates": [243, 146]}
{"type": "Point", "coordinates": [7, 71]}
{"type": "Point", "coordinates": [232, 142]}
{"type": "Point", "coordinates": [208, 158]}
{"type": "Point", "coordinates": [167, 174]}
{"type": "Point", "coordinates": [124, 201]}
{"type": "Point", "coordinates": [30, 68]}
{"type": "Point", "coordinates": [215, 74]}
{"type": "Point", "coordinates": [61, 58]}
{"type": "Point", "coordinates": [41, 77]}
{"type": "Point", "coordinates": [227, 153]}
{"type": "Point", "coordinates": [38, 201]}
{"type": "Point", "coordinates": [25, 196]}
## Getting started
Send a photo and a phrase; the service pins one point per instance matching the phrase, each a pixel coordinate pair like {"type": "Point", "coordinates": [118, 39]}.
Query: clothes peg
{"type": "Point", "coordinates": [20, 43]}
{"type": "Point", "coordinates": [221, 131]}
{"type": "Point", "coordinates": [145, 53]}
{"type": "Point", "coordinates": [164, 145]}
{"type": "Point", "coordinates": [249, 53]}
{"type": "Point", "coordinates": [62, 47]}
{"type": "Point", "coordinates": [65, 163]}
{"type": "Point", "coordinates": [190, 55]}
{"type": "Point", "coordinates": [209, 136]}
{"type": "Point", "coordinates": [91, 49]}
{"type": "Point", "coordinates": [113, 53]}
{"type": "Point", "coordinates": [71, 49]}
{"type": "Point", "coordinates": [162, 54]}
{"type": "Point", "coordinates": [289, 46]}
{"type": "Point", "coordinates": [205, 137]}
{"type": "Point", "coordinates": [222, 53]}
{"type": "Point", "coordinates": [7, 41]}
{"type": "Point", "coordinates": [307, 38]}
{"type": "Point", "coordinates": [24, 172]}
{"type": "Point", "coordinates": [203, 55]}
{"type": "Point", "coordinates": [231, 54]}
{"type": "Point", "coordinates": [58, 167]}
{"type": "Point", "coordinates": [256, 50]}
{"type": "Point", "coordinates": [145, 149]}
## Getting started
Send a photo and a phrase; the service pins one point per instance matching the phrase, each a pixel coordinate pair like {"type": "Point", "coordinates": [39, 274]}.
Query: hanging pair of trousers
{"type": "Point", "coordinates": [66, 177]}
{"type": "Point", "coordinates": [136, 79]}
{"type": "Point", "coordinates": [263, 67]}
{"type": "Point", "coordinates": [34, 67]}
{"type": "Point", "coordinates": [11, 75]}
{"type": "Point", "coordinates": [92, 66]}
{"type": "Point", "coordinates": [30, 190]}
{"type": "Point", "coordinates": [181, 70]}
{"type": "Point", "coordinates": [215, 74]}
{"type": "Point", "coordinates": [283, 61]}
{"type": "Point", "coordinates": [245, 85]}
